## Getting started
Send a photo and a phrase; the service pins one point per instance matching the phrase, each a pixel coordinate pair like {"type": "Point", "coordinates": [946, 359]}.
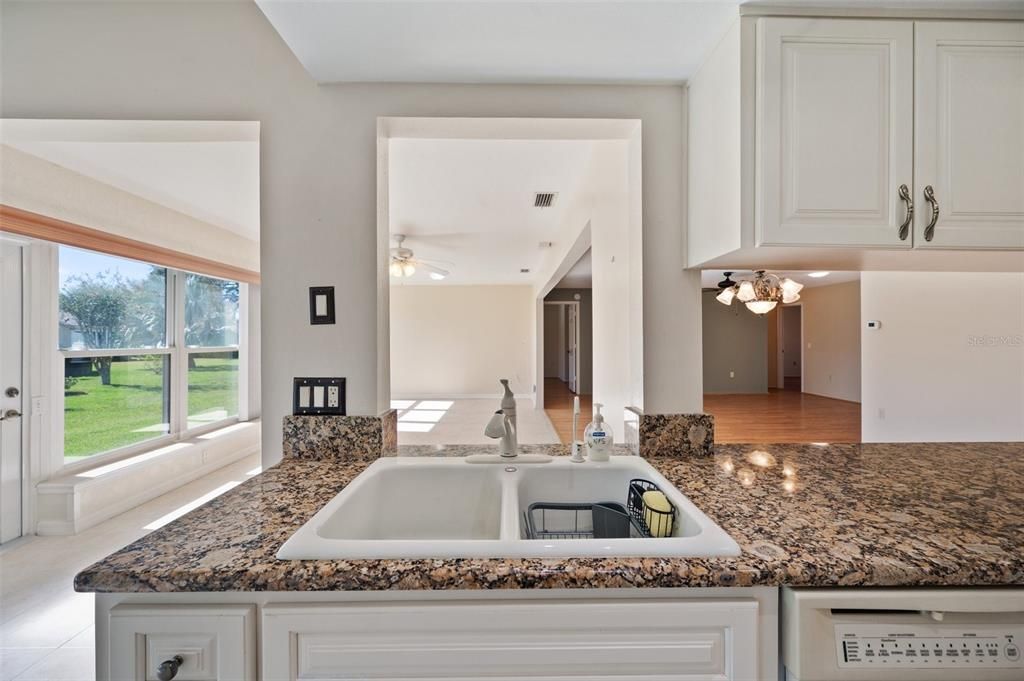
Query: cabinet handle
{"type": "Point", "coordinates": [168, 669]}
{"type": "Point", "coordinates": [905, 227]}
{"type": "Point", "coordinates": [929, 196]}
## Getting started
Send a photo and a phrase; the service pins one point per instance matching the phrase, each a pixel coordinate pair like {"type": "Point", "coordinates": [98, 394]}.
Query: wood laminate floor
{"type": "Point", "coordinates": [558, 406]}
{"type": "Point", "coordinates": [783, 416]}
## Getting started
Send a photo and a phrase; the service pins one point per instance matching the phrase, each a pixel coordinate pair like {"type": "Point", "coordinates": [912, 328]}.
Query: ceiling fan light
{"type": "Point", "coordinates": [761, 306]}
{"type": "Point", "coordinates": [746, 292]}
{"type": "Point", "coordinates": [790, 298]}
{"type": "Point", "coordinates": [408, 269]}
{"type": "Point", "coordinates": [396, 268]}
{"type": "Point", "coordinates": [789, 286]}
{"type": "Point", "coordinates": [726, 296]}
{"type": "Point", "coordinates": [437, 276]}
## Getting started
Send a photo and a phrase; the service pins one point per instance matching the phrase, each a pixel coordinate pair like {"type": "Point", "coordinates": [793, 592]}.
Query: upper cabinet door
{"type": "Point", "coordinates": [834, 132]}
{"type": "Point", "coordinates": [969, 145]}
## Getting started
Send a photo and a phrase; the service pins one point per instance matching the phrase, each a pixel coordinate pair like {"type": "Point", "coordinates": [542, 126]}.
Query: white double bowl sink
{"type": "Point", "coordinates": [451, 508]}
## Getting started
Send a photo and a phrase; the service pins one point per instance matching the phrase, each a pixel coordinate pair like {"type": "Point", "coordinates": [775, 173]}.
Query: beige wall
{"type": "Point", "coordinates": [947, 363]}
{"type": "Point", "coordinates": [457, 341]}
{"type": "Point", "coordinates": [772, 321]}
{"type": "Point", "coordinates": [831, 349]}
{"type": "Point", "coordinates": [734, 341]}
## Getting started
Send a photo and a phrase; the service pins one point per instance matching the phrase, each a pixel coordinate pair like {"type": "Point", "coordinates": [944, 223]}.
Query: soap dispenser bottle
{"type": "Point", "coordinates": [598, 437]}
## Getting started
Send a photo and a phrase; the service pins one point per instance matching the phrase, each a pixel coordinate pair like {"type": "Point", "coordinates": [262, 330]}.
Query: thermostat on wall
{"type": "Point", "coordinates": [874, 324]}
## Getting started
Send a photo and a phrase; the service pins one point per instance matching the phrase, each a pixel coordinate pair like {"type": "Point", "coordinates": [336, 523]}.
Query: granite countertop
{"type": "Point", "coordinates": [857, 515]}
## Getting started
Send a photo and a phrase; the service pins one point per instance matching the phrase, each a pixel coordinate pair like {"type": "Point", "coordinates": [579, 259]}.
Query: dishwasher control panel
{"type": "Point", "coordinates": [876, 646]}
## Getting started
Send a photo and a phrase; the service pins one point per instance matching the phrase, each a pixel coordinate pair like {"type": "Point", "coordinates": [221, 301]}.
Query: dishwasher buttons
{"type": "Point", "coordinates": [1012, 652]}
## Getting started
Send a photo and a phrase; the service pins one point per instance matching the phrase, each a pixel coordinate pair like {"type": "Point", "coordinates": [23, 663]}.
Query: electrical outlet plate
{"type": "Point", "coordinates": [318, 395]}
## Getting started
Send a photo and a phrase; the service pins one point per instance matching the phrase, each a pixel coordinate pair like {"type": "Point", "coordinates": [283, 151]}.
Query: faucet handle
{"type": "Point", "coordinates": [497, 427]}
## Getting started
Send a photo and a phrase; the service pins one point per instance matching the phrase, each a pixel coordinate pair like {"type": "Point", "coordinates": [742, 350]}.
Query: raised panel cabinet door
{"type": "Point", "coordinates": [969, 134]}
{"type": "Point", "coordinates": [540, 641]}
{"type": "Point", "coordinates": [834, 134]}
{"type": "Point", "coordinates": [211, 643]}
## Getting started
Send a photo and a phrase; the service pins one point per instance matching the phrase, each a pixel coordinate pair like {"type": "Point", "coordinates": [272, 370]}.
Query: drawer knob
{"type": "Point", "coordinates": [168, 669]}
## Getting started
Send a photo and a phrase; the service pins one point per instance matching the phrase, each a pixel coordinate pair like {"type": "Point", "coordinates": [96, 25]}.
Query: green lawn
{"type": "Point", "coordinates": [98, 418]}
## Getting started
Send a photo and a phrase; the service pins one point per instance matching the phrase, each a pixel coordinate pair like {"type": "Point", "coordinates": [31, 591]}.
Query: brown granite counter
{"type": "Point", "coordinates": [804, 515]}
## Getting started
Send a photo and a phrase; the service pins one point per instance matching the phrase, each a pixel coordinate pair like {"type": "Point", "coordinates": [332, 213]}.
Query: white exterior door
{"type": "Point", "coordinates": [11, 398]}
{"type": "Point", "coordinates": [969, 134]}
{"type": "Point", "coordinates": [572, 326]}
{"type": "Point", "coordinates": [834, 132]}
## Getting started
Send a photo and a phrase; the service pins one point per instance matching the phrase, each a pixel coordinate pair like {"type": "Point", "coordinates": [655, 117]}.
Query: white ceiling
{"type": "Point", "coordinates": [207, 170]}
{"type": "Point", "coordinates": [468, 203]}
{"type": "Point", "coordinates": [500, 41]}
{"type": "Point", "coordinates": [581, 275]}
{"type": "Point", "coordinates": [710, 278]}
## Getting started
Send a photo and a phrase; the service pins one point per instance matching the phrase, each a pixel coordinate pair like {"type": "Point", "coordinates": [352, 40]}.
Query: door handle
{"type": "Point", "coordinates": [905, 225]}
{"type": "Point", "coordinates": [10, 414]}
{"type": "Point", "coordinates": [929, 196]}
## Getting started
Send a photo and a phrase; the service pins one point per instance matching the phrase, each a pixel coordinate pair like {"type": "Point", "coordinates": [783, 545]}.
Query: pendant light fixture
{"type": "Point", "coordinates": [763, 293]}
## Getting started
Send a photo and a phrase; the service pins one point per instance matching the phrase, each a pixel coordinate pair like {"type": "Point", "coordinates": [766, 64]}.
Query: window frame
{"type": "Point", "coordinates": [177, 352]}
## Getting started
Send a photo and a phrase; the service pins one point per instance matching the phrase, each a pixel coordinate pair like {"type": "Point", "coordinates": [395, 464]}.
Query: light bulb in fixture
{"type": "Point", "coordinates": [787, 298]}
{"type": "Point", "coordinates": [396, 269]}
{"type": "Point", "coordinates": [761, 306]}
{"type": "Point", "coordinates": [789, 286]}
{"type": "Point", "coordinates": [726, 296]}
{"type": "Point", "coordinates": [746, 292]}
{"type": "Point", "coordinates": [408, 269]}
{"type": "Point", "coordinates": [436, 276]}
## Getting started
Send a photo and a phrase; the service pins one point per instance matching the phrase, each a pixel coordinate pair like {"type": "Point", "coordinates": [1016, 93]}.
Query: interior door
{"type": "Point", "coordinates": [572, 351]}
{"type": "Point", "coordinates": [10, 390]}
{"type": "Point", "coordinates": [835, 115]}
{"type": "Point", "coordinates": [969, 134]}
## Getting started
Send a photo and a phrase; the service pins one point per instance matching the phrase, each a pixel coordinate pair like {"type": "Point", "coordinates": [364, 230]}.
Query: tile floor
{"type": "Point", "coordinates": [46, 629]}
{"type": "Point", "coordinates": [462, 422]}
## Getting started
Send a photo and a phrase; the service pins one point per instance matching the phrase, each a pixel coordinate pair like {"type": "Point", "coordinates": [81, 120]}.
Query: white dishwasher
{"type": "Point", "coordinates": [897, 634]}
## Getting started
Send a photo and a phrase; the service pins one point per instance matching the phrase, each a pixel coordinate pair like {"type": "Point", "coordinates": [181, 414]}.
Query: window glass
{"type": "Point", "coordinates": [211, 312]}
{"type": "Point", "coordinates": [112, 402]}
{"type": "Point", "coordinates": [212, 387]}
{"type": "Point", "coordinates": [108, 302]}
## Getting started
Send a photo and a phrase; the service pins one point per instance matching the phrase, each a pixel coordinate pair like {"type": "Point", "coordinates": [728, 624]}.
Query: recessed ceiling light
{"type": "Point", "coordinates": [818, 275]}
{"type": "Point", "coordinates": [436, 276]}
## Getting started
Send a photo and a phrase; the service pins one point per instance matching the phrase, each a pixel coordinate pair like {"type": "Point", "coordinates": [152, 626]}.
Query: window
{"type": "Point", "coordinates": [211, 336]}
{"type": "Point", "coordinates": [148, 352]}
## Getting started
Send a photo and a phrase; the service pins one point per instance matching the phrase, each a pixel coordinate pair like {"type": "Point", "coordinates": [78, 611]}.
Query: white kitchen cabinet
{"type": "Point", "coordinates": [555, 639]}
{"type": "Point", "coordinates": [214, 642]}
{"type": "Point", "coordinates": [969, 134]}
{"type": "Point", "coordinates": [835, 102]}
{"type": "Point", "coordinates": [803, 132]}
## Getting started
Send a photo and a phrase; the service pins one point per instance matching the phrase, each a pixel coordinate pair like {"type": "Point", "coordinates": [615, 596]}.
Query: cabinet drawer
{"type": "Point", "coordinates": [513, 640]}
{"type": "Point", "coordinates": [216, 643]}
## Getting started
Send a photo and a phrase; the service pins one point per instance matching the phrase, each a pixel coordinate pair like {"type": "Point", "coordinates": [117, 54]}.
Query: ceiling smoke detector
{"type": "Point", "coordinates": [544, 200]}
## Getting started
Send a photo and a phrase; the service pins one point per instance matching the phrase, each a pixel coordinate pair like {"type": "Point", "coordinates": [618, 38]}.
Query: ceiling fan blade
{"type": "Point", "coordinates": [430, 268]}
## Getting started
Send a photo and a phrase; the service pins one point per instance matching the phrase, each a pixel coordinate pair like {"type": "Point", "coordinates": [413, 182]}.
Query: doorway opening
{"type": "Point", "coordinates": [483, 225]}
{"type": "Point", "coordinates": [791, 374]}
{"type": "Point", "coordinates": [790, 362]}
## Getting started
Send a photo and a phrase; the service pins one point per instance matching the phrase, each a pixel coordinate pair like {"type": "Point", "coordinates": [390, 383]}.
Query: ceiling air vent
{"type": "Point", "coordinates": [543, 200]}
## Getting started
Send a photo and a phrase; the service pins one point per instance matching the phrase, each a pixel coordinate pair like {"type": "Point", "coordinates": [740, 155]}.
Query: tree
{"type": "Point", "coordinates": [111, 312]}
{"type": "Point", "coordinates": [98, 304]}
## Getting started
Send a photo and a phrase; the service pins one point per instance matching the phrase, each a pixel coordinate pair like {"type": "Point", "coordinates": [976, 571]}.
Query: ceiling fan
{"type": "Point", "coordinates": [727, 282]}
{"type": "Point", "coordinates": [404, 262]}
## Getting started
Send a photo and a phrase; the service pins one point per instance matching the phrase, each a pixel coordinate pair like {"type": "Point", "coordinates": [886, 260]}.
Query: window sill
{"type": "Point", "coordinates": [74, 501]}
{"type": "Point", "coordinates": [81, 464]}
